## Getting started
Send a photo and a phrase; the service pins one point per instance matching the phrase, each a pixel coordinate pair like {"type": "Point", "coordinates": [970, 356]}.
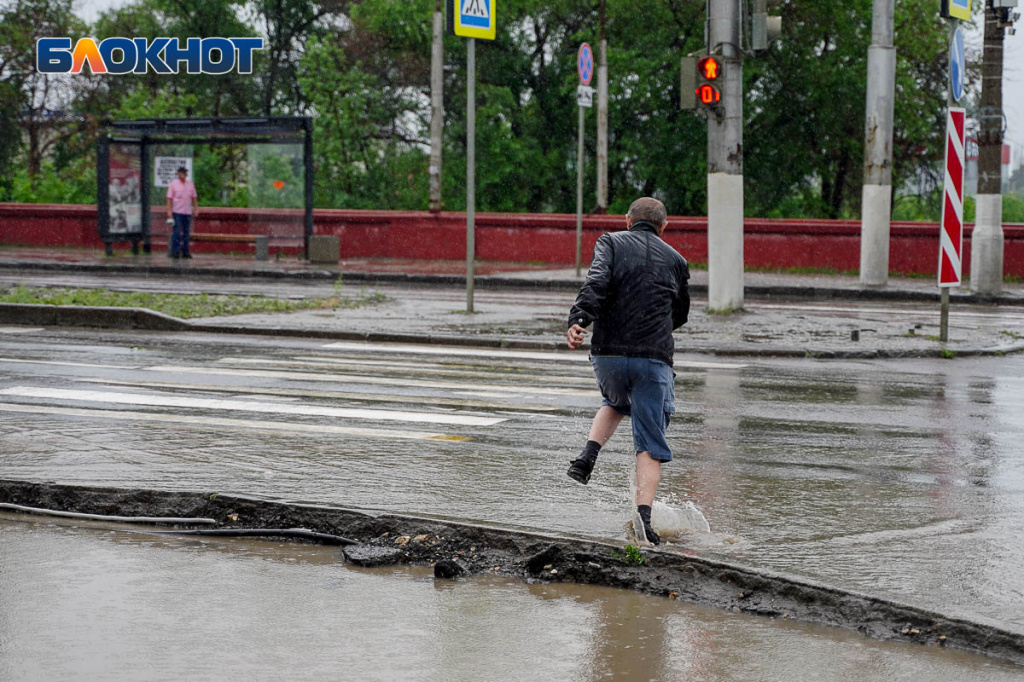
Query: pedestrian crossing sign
{"type": "Point", "coordinates": [472, 18]}
{"type": "Point", "coordinates": [956, 9]}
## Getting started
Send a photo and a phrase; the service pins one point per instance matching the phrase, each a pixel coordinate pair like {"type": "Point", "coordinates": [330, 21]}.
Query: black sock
{"type": "Point", "coordinates": [645, 513]}
{"type": "Point", "coordinates": [591, 450]}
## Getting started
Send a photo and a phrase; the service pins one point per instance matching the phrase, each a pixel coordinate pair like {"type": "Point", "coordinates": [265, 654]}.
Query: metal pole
{"type": "Point", "coordinates": [876, 194]}
{"type": "Point", "coordinates": [579, 195]}
{"type": "Point", "coordinates": [307, 153]}
{"type": "Point", "coordinates": [602, 120]}
{"type": "Point", "coordinates": [725, 162]}
{"type": "Point", "coordinates": [944, 291]}
{"type": "Point", "coordinates": [944, 316]}
{"type": "Point", "coordinates": [436, 106]}
{"type": "Point", "coordinates": [147, 245]}
{"type": "Point", "coordinates": [470, 169]}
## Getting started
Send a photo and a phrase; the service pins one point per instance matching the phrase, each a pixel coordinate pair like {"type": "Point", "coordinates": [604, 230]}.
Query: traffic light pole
{"type": "Point", "coordinates": [987, 237]}
{"type": "Point", "coordinates": [876, 194]}
{"type": "Point", "coordinates": [725, 162]}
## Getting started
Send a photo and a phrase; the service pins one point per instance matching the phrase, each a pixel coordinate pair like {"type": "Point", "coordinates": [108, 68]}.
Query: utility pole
{"type": "Point", "coordinates": [436, 106]}
{"type": "Point", "coordinates": [725, 161]}
{"type": "Point", "coordinates": [602, 117]}
{"type": "Point", "coordinates": [876, 195]}
{"type": "Point", "coordinates": [987, 238]}
{"type": "Point", "coordinates": [470, 171]}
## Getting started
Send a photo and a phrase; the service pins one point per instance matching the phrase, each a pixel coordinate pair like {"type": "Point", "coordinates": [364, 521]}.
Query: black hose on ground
{"type": "Point", "coordinates": [168, 520]}
{"type": "Point", "coordinates": [301, 533]}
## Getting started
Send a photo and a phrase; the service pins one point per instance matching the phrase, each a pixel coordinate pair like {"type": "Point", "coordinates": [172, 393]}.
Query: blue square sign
{"type": "Point", "coordinates": [472, 18]}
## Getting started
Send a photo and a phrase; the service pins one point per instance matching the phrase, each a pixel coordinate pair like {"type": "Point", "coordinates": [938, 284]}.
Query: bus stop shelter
{"type": "Point", "coordinates": [133, 166]}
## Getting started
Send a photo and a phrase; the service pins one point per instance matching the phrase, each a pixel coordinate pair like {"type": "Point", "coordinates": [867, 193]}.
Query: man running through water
{"type": "Point", "coordinates": [636, 293]}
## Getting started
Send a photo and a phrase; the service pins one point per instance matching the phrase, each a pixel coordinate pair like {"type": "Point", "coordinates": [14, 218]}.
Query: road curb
{"type": "Point", "coordinates": [582, 560]}
{"type": "Point", "coordinates": [30, 314]}
{"type": "Point", "coordinates": [780, 292]}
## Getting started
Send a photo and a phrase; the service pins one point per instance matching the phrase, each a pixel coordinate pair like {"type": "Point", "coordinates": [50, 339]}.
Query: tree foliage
{"type": "Point", "coordinates": [362, 70]}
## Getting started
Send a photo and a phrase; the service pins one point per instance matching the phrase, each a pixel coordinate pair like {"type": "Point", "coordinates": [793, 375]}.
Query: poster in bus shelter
{"type": "Point", "coordinates": [125, 190]}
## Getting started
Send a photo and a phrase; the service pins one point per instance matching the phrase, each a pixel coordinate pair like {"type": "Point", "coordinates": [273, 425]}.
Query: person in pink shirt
{"type": "Point", "coordinates": [182, 204]}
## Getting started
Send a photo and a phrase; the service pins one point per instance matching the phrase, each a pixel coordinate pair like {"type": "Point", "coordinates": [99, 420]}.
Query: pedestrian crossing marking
{"type": "Point", "coordinates": [336, 395]}
{"type": "Point", "coordinates": [220, 423]}
{"type": "Point", "coordinates": [192, 402]}
{"type": "Point", "coordinates": [377, 380]}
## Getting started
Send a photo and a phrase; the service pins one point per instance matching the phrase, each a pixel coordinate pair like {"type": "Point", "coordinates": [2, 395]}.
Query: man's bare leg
{"type": "Point", "coordinates": [648, 474]}
{"type": "Point", "coordinates": [605, 422]}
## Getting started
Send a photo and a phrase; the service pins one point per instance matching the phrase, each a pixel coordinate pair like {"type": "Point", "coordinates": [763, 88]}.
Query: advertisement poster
{"type": "Point", "coordinates": [165, 169]}
{"type": "Point", "coordinates": [125, 196]}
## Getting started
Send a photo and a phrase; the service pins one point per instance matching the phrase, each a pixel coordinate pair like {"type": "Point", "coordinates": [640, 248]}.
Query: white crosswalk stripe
{"type": "Point", "coordinates": [167, 400]}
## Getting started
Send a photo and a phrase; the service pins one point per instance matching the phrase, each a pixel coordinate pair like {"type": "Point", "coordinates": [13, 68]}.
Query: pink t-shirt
{"type": "Point", "coordinates": [181, 195]}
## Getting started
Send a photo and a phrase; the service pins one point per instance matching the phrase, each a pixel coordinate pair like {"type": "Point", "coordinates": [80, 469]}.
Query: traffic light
{"type": "Point", "coordinates": [698, 85]}
{"type": "Point", "coordinates": [708, 71]}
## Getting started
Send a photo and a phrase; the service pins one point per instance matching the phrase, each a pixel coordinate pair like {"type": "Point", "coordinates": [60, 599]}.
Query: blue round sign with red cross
{"type": "Point", "coordinates": [585, 63]}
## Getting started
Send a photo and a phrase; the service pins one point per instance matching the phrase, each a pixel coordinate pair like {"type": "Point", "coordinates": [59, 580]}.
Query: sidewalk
{"type": "Point", "coordinates": [525, 305]}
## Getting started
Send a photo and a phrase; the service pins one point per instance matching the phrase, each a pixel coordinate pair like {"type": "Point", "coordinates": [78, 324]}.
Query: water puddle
{"type": "Point", "coordinates": [85, 602]}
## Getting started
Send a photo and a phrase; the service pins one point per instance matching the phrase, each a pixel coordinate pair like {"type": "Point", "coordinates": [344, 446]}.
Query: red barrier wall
{"type": "Point", "coordinates": [538, 238]}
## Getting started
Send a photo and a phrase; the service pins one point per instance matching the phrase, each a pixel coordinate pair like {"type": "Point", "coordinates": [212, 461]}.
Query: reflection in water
{"type": "Point", "coordinates": [84, 603]}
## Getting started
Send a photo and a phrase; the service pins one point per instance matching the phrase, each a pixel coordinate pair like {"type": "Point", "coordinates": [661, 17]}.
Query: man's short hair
{"type": "Point", "coordinates": [648, 209]}
{"type": "Point", "coordinates": [182, 169]}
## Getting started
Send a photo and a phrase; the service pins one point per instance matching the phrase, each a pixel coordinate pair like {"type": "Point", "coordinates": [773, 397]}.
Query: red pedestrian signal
{"type": "Point", "coordinates": [699, 82]}
{"type": "Point", "coordinates": [708, 71]}
{"type": "Point", "coordinates": [708, 94]}
{"type": "Point", "coordinates": [708, 68]}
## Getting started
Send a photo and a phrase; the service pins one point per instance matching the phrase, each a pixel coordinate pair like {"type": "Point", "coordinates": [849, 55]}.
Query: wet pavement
{"type": "Point", "coordinates": [897, 478]}
{"type": "Point", "coordinates": [536, 317]}
{"type": "Point", "coordinates": [135, 606]}
{"type": "Point", "coordinates": [902, 481]}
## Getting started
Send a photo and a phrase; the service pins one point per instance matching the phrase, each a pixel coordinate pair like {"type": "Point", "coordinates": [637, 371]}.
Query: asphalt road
{"type": "Point", "coordinates": [897, 478]}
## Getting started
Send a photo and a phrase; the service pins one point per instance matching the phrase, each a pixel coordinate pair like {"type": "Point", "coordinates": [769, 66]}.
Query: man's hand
{"type": "Point", "coordinates": [575, 336]}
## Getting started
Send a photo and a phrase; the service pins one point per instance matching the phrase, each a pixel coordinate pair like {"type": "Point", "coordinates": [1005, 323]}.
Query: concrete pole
{"type": "Point", "coordinates": [987, 238]}
{"type": "Point", "coordinates": [725, 162]}
{"type": "Point", "coordinates": [876, 195]}
{"type": "Point", "coordinates": [602, 118]}
{"type": "Point", "coordinates": [470, 170]}
{"type": "Point", "coordinates": [436, 106]}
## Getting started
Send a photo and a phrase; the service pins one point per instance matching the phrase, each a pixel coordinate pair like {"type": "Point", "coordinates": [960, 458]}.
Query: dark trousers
{"type": "Point", "coordinates": [179, 235]}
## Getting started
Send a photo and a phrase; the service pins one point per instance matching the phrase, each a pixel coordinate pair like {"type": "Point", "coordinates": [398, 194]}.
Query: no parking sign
{"type": "Point", "coordinates": [585, 63]}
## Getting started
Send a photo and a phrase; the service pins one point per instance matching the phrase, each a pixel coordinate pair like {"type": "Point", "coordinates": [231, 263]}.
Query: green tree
{"type": "Point", "coordinates": [360, 148]}
{"type": "Point", "coordinates": [43, 102]}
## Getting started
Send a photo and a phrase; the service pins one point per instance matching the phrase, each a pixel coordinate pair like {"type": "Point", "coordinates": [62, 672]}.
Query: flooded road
{"type": "Point", "coordinates": [901, 479]}
{"type": "Point", "coordinates": [134, 606]}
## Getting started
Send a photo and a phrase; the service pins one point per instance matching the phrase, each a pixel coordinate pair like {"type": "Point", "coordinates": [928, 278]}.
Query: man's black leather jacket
{"type": "Point", "coordinates": [636, 294]}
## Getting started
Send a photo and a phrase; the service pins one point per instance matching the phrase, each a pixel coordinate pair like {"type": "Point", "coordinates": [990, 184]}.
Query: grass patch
{"type": "Point", "coordinates": [185, 306]}
{"type": "Point", "coordinates": [947, 354]}
{"type": "Point", "coordinates": [630, 555]}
